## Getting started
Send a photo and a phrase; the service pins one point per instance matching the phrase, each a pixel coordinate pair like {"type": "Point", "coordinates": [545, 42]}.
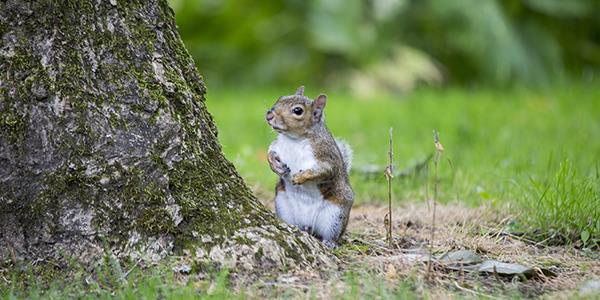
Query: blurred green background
{"type": "Point", "coordinates": [510, 85]}
{"type": "Point", "coordinates": [391, 45]}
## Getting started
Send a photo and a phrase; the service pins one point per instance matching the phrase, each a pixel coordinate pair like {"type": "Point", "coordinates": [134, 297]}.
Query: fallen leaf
{"type": "Point", "coordinates": [466, 260]}
{"type": "Point", "coordinates": [460, 257]}
{"type": "Point", "coordinates": [502, 268]}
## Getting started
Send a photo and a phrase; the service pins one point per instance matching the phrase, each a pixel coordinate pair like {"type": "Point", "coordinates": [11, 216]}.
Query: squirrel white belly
{"type": "Point", "coordinates": [313, 192]}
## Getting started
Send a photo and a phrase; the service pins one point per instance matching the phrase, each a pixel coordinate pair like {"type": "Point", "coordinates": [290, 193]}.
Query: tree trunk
{"type": "Point", "coordinates": [106, 145]}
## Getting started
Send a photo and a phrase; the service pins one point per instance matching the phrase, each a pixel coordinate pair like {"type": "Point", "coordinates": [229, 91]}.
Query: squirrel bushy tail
{"type": "Point", "coordinates": [346, 153]}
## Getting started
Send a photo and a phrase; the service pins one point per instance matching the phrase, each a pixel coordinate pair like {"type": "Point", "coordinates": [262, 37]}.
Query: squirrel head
{"type": "Point", "coordinates": [295, 115]}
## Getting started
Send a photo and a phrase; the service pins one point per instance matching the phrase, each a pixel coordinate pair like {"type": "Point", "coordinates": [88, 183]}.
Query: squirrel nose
{"type": "Point", "coordinates": [270, 115]}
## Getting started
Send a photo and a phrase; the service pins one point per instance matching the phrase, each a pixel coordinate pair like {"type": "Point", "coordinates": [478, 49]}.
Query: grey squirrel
{"type": "Point", "coordinates": [313, 191]}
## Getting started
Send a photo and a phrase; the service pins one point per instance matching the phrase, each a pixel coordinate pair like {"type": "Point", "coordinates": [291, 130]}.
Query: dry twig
{"type": "Point", "coordinates": [389, 174]}
{"type": "Point", "coordinates": [436, 160]}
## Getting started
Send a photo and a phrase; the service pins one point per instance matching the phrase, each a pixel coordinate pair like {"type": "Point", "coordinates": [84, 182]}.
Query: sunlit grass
{"type": "Point", "coordinates": [492, 138]}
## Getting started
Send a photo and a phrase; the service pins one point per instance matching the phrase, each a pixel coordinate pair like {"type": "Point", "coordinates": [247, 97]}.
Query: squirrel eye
{"type": "Point", "coordinates": [297, 111]}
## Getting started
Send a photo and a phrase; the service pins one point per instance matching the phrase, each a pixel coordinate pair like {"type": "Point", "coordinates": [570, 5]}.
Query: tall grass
{"type": "Point", "coordinates": [563, 207]}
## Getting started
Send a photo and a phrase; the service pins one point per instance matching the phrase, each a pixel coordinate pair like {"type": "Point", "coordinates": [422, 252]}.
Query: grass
{"type": "Point", "coordinates": [106, 281]}
{"type": "Point", "coordinates": [566, 205]}
{"type": "Point", "coordinates": [159, 282]}
{"type": "Point", "coordinates": [497, 143]}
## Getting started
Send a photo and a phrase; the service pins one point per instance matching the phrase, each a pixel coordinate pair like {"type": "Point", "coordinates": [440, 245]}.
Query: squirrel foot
{"type": "Point", "coordinates": [306, 228]}
{"type": "Point", "coordinates": [330, 244]}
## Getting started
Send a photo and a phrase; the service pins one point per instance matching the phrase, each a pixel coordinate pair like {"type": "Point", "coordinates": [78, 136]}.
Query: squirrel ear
{"type": "Point", "coordinates": [300, 91]}
{"type": "Point", "coordinates": [318, 107]}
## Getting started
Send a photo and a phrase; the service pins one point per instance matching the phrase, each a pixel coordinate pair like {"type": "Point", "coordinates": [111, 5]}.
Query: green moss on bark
{"type": "Point", "coordinates": [13, 123]}
{"type": "Point", "coordinates": [111, 138]}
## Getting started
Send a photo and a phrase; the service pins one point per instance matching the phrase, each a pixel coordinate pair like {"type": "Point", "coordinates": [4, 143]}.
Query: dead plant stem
{"type": "Point", "coordinates": [389, 171]}
{"type": "Point", "coordinates": [436, 160]}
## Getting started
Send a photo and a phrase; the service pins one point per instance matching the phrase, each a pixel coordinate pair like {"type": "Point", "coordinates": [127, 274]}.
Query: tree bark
{"type": "Point", "coordinates": [106, 145]}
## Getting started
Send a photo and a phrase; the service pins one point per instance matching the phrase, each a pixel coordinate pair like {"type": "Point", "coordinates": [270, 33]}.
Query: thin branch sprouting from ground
{"type": "Point", "coordinates": [436, 161]}
{"type": "Point", "coordinates": [389, 174]}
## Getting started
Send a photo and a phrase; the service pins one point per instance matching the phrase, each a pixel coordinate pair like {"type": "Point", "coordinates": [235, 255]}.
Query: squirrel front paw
{"type": "Point", "coordinates": [299, 178]}
{"type": "Point", "coordinates": [277, 165]}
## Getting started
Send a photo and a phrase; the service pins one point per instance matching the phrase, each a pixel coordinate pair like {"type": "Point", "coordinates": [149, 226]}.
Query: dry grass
{"type": "Point", "coordinates": [367, 255]}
